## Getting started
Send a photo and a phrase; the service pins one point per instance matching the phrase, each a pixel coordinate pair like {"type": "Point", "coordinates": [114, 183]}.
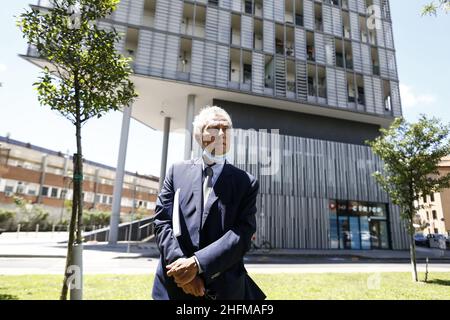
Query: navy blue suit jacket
{"type": "Point", "coordinates": [219, 236]}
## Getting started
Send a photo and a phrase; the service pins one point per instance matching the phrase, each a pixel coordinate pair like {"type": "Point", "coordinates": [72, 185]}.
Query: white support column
{"type": "Point", "coordinates": [189, 130]}
{"type": "Point", "coordinates": [120, 171]}
{"type": "Point", "coordinates": [166, 132]}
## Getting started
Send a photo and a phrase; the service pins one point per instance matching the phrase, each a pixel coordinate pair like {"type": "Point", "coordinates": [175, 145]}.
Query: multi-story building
{"type": "Point", "coordinates": [322, 73]}
{"type": "Point", "coordinates": [436, 212]}
{"type": "Point", "coordinates": [44, 177]}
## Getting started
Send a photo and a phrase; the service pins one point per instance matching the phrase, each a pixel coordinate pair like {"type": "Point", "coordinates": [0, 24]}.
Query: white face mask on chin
{"type": "Point", "coordinates": [213, 158]}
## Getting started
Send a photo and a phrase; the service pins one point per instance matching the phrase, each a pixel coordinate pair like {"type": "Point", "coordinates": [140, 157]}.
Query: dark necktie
{"type": "Point", "coordinates": [207, 183]}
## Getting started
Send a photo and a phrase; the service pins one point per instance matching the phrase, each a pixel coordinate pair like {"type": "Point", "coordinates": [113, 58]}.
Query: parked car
{"type": "Point", "coordinates": [421, 240]}
{"type": "Point", "coordinates": [435, 240]}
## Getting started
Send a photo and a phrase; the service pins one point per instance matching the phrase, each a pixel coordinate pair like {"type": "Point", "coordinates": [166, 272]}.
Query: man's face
{"type": "Point", "coordinates": [216, 135]}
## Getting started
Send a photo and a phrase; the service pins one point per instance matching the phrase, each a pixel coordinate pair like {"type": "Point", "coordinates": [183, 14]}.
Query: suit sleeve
{"type": "Point", "coordinates": [167, 243]}
{"type": "Point", "coordinates": [232, 246]}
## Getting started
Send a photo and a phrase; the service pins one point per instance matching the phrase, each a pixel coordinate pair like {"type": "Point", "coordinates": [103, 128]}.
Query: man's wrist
{"type": "Point", "coordinates": [197, 263]}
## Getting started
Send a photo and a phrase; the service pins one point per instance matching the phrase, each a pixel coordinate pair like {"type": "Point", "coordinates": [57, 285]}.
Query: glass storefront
{"type": "Point", "coordinates": [358, 225]}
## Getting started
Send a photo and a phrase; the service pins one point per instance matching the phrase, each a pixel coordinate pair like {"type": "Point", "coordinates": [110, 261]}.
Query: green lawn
{"type": "Point", "coordinates": [276, 286]}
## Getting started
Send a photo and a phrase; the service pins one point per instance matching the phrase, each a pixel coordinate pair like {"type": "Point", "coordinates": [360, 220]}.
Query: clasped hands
{"type": "Point", "coordinates": [185, 273]}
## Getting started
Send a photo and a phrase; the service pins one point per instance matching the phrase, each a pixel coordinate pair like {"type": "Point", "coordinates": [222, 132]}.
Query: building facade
{"type": "Point", "coordinates": [436, 213]}
{"type": "Point", "coordinates": [321, 73]}
{"type": "Point", "coordinates": [44, 177]}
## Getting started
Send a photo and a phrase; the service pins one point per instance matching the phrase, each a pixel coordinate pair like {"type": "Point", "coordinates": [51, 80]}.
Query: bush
{"type": "Point", "coordinates": [7, 220]}
{"type": "Point", "coordinates": [35, 217]}
{"type": "Point", "coordinates": [95, 218]}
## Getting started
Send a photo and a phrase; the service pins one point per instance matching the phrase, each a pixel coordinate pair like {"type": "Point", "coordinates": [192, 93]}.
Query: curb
{"type": "Point", "coordinates": [31, 256]}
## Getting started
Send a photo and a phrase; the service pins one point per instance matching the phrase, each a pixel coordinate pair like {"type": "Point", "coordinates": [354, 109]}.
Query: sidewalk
{"type": "Point", "coordinates": [47, 245]}
{"type": "Point", "coordinates": [355, 255]}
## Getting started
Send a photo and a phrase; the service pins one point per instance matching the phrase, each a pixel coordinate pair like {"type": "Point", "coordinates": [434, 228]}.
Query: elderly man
{"type": "Point", "coordinates": [205, 218]}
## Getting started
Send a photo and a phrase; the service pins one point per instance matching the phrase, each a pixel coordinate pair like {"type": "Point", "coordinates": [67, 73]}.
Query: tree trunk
{"type": "Point", "coordinates": [72, 226]}
{"type": "Point", "coordinates": [76, 220]}
{"type": "Point", "coordinates": [413, 251]}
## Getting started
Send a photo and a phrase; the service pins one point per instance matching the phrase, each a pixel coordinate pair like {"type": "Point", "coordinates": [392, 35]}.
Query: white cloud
{"type": "Point", "coordinates": [2, 67]}
{"type": "Point", "coordinates": [412, 98]}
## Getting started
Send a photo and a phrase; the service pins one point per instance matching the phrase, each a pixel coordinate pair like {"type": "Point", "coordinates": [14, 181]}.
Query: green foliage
{"type": "Point", "coordinates": [35, 217]}
{"type": "Point", "coordinates": [96, 218]}
{"type": "Point", "coordinates": [431, 8]}
{"type": "Point", "coordinates": [7, 219]}
{"type": "Point", "coordinates": [411, 154]}
{"type": "Point", "coordinates": [86, 77]}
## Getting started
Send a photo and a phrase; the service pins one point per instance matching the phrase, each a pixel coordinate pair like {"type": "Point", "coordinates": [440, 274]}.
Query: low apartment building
{"type": "Point", "coordinates": [44, 177]}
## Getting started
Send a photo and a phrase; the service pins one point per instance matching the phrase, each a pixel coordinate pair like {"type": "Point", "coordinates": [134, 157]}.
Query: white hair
{"type": "Point", "coordinates": [205, 115]}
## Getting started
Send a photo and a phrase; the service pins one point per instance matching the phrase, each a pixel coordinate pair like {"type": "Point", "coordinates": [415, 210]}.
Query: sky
{"type": "Point", "coordinates": [423, 58]}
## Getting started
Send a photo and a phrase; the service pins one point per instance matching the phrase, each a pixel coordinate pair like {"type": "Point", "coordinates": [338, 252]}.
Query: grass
{"type": "Point", "coordinates": [390, 286]}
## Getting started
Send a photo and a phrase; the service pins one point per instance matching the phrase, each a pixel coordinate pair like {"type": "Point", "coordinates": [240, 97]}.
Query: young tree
{"type": "Point", "coordinates": [85, 78]}
{"type": "Point", "coordinates": [411, 155]}
{"type": "Point", "coordinates": [431, 8]}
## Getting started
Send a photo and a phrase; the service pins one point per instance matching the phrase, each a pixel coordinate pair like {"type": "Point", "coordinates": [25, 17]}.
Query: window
{"type": "Point", "coordinates": [110, 200]}
{"type": "Point", "coordinates": [318, 17]}
{"type": "Point", "coordinates": [290, 77]}
{"type": "Point", "coordinates": [54, 193]}
{"type": "Point", "coordinates": [424, 197]}
{"type": "Point", "coordinates": [434, 215]}
{"type": "Point", "coordinates": [187, 23]}
{"type": "Point", "coordinates": [247, 73]}
{"type": "Point", "coordinates": [184, 58]}
{"type": "Point", "coordinates": [104, 199]}
{"type": "Point", "coordinates": [290, 35]}
{"type": "Point", "coordinates": [200, 19]}
{"type": "Point", "coordinates": [436, 230]}
{"type": "Point", "coordinates": [247, 66]}
{"type": "Point", "coordinates": [428, 215]}
{"type": "Point", "coordinates": [213, 2]}
{"type": "Point", "coordinates": [339, 46]}
{"type": "Point", "coordinates": [148, 17]}
{"type": "Point", "coordinates": [97, 198]}
{"type": "Point", "coordinates": [235, 30]}
{"type": "Point", "coordinates": [248, 7]}
{"type": "Point", "coordinates": [299, 13]}
{"type": "Point", "coordinates": [312, 81]}
{"type": "Point", "coordinates": [289, 11]}
{"type": "Point", "coordinates": [258, 8]}
{"type": "Point", "coordinates": [387, 95]}
{"type": "Point", "coordinates": [131, 42]}
{"type": "Point", "coordinates": [20, 188]}
{"type": "Point", "coordinates": [346, 24]}
{"type": "Point", "coordinates": [235, 67]}
{"type": "Point", "coordinates": [44, 191]}
{"type": "Point", "coordinates": [361, 93]}
{"type": "Point", "coordinates": [268, 72]}
{"type": "Point", "coordinates": [351, 88]}
{"type": "Point", "coordinates": [258, 34]}
{"type": "Point", "coordinates": [363, 28]}
{"type": "Point", "coordinates": [432, 197]}
{"type": "Point", "coordinates": [322, 82]}
{"type": "Point", "coordinates": [279, 39]}
{"type": "Point", "coordinates": [348, 55]}
{"type": "Point", "coordinates": [375, 61]}
{"type": "Point", "coordinates": [310, 46]}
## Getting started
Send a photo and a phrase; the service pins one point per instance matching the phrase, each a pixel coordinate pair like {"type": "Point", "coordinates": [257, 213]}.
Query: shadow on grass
{"type": "Point", "coordinates": [439, 282]}
{"type": "Point", "coordinates": [5, 296]}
